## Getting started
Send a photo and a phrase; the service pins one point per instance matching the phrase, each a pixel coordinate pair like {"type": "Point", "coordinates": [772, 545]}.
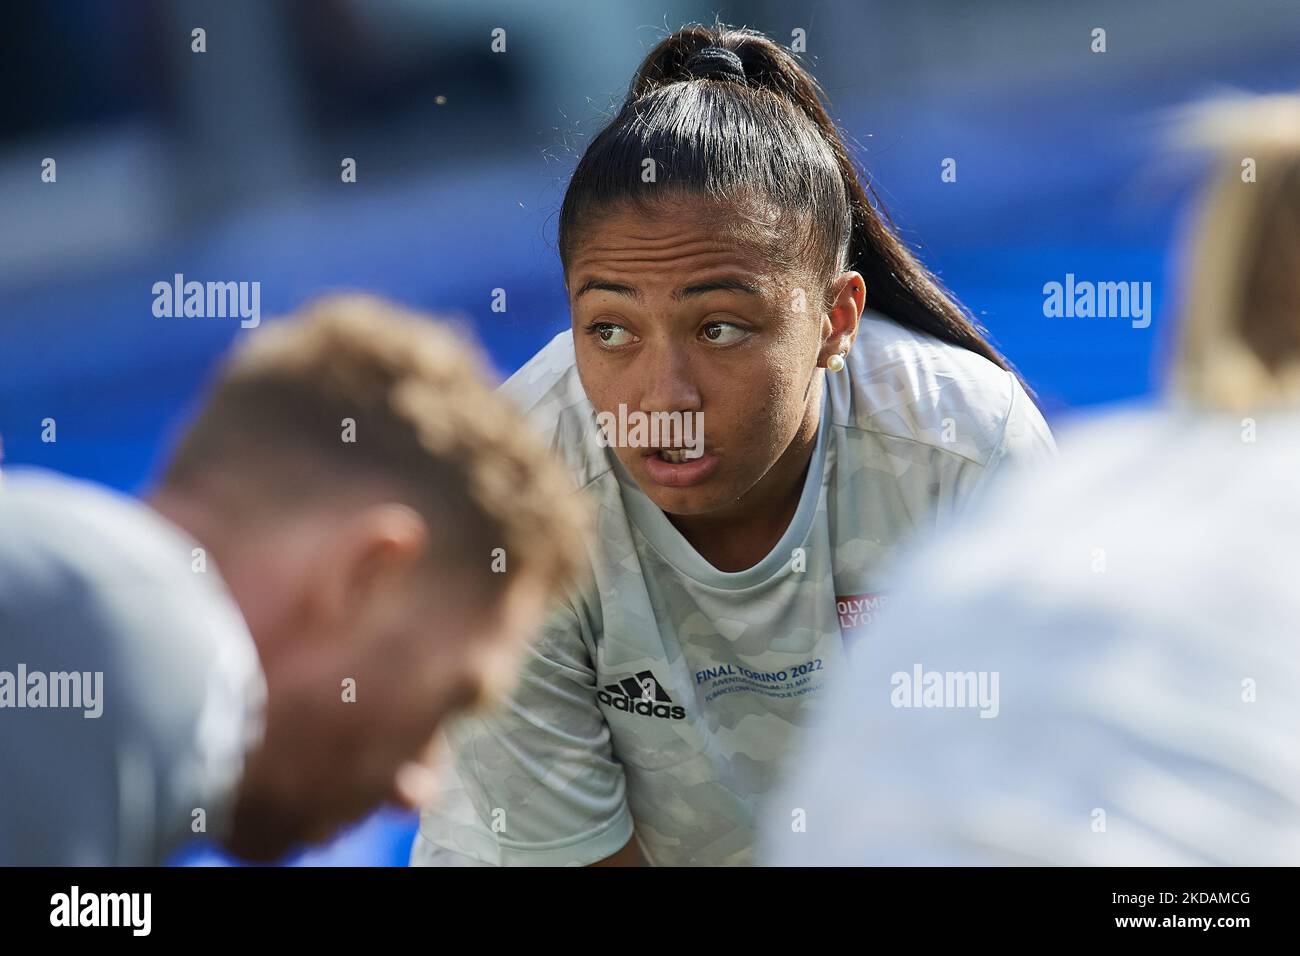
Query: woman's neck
{"type": "Point", "coordinates": [737, 538]}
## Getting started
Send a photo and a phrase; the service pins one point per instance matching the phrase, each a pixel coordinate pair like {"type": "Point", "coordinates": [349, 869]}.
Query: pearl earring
{"type": "Point", "coordinates": [835, 363]}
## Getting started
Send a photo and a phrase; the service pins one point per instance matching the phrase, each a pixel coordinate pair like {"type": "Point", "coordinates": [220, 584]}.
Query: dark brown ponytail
{"type": "Point", "coordinates": [768, 131]}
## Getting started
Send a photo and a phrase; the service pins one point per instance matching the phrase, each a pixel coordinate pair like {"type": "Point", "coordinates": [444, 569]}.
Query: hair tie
{"type": "Point", "coordinates": [715, 62]}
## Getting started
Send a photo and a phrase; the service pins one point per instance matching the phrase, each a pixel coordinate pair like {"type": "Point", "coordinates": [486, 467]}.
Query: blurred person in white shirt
{"type": "Point", "coordinates": [266, 648]}
{"type": "Point", "coordinates": [1100, 666]}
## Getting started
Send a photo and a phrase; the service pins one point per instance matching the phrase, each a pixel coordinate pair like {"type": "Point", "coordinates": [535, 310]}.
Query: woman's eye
{"type": "Point", "coordinates": [723, 333]}
{"type": "Point", "coordinates": [610, 335]}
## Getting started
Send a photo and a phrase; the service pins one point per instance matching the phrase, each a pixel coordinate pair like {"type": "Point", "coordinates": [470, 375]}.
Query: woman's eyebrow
{"type": "Point", "coordinates": [593, 285]}
{"type": "Point", "coordinates": [717, 285]}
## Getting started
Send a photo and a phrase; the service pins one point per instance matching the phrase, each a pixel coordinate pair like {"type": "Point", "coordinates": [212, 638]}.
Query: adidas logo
{"type": "Point", "coordinates": [642, 695]}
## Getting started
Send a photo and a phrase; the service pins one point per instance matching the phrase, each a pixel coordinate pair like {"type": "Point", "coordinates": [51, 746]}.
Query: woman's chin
{"type": "Point", "coordinates": [684, 502]}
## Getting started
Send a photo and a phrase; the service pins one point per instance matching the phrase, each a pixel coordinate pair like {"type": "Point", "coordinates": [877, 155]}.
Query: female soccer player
{"type": "Point", "coordinates": [725, 269]}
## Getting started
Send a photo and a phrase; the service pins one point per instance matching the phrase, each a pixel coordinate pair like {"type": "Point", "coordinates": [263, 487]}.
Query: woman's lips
{"type": "Point", "coordinates": [684, 474]}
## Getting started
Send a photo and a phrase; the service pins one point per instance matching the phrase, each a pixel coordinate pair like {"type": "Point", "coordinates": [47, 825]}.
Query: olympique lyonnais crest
{"type": "Point", "coordinates": [857, 612]}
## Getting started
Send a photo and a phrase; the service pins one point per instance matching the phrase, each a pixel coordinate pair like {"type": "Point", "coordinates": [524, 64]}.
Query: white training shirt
{"type": "Point", "coordinates": [1138, 601]}
{"type": "Point", "coordinates": [667, 699]}
{"type": "Point", "coordinates": [156, 679]}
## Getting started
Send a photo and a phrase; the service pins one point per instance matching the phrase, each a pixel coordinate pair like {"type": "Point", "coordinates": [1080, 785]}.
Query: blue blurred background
{"type": "Point", "coordinates": [225, 165]}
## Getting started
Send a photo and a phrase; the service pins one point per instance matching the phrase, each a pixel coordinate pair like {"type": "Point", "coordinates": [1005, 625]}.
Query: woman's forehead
{"type": "Point", "coordinates": [679, 270]}
{"type": "Point", "coordinates": [663, 246]}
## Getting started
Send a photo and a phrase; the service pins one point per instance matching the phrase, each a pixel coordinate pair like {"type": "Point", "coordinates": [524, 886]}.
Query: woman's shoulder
{"type": "Point", "coordinates": [549, 392]}
{"type": "Point", "coordinates": [910, 385]}
{"type": "Point", "coordinates": [545, 378]}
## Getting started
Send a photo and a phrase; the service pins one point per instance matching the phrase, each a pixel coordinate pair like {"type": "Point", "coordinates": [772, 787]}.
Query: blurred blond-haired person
{"type": "Point", "coordinates": [351, 543]}
{"type": "Point", "coordinates": [1101, 666]}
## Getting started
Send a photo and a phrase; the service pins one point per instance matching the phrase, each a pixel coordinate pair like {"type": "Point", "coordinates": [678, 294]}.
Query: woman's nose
{"type": "Point", "coordinates": [669, 383]}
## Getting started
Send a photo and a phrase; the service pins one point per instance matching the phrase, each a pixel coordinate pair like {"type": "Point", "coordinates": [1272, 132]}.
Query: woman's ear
{"type": "Point", "coordinates": [848, 299]}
